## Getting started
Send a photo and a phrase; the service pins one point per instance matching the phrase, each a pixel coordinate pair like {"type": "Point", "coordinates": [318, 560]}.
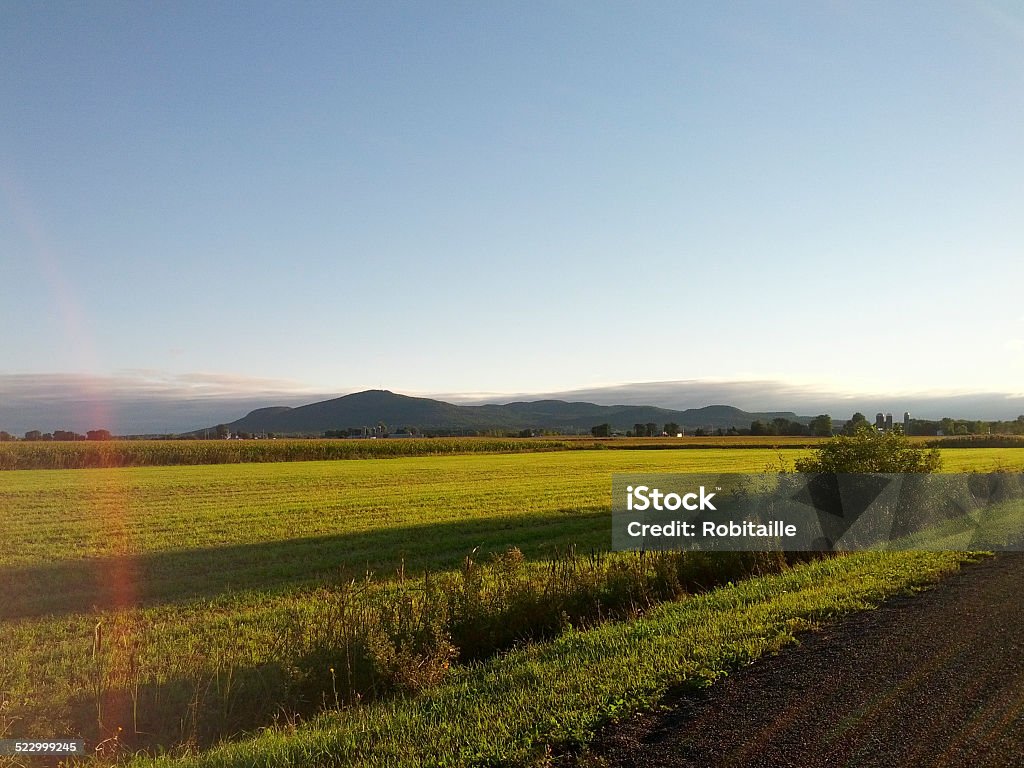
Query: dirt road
{"type": "Point", "coordinates": [935, 679]}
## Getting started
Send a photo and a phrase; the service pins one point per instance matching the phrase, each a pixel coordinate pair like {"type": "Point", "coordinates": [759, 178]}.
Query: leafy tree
{"type": "Point", "coordinates": [640, 430]}
{"type": "Point", "coordinates": [223, 431]}
{"type": "Point", "coordinates": [651, 429]}
{"type": "Point", "coordinates": [672, 428]}
{"type": "Point", "coordinates": [821, 426]}
{"type": "Point", "coordinates": [33, 434]}
{"type": "Point", "coordinates": [856, 422]}
{"type": "Point", "coordinates": [6, 437]}
{"type": "Point", "coordinates": [869, 450]}
{"type": "Point", "coordinates": [601, 430]}
{"type": "Point", "coordinates": [98, 434]}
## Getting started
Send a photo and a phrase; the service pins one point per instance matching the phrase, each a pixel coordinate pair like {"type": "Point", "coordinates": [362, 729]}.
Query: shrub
{"type": "Point", "coordinates": [869, 450]}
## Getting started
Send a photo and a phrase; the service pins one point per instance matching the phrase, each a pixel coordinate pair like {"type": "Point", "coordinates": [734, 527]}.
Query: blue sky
{"type": "Point", "coordinates": [499, 197]}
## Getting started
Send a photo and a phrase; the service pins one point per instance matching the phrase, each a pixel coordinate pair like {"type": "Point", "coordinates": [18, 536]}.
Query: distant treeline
{"type": "Point", "coordinates": [947, 427]}
{"type": "Point", "coordinates": [58, 435]}
{"type": "Point", "coordinates": [819, 426]}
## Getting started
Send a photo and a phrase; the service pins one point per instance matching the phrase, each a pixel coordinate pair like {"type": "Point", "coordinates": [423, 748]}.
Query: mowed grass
{"type": "Point", "coordinates": [56, 515]}
{"type": "Point", "coordinates": [205, 564]}
{"type": "Point", "coordinates": [982, 459]}
{"type": "Point", "coordinates": [425, 509]}
{"type": "Point", "coordinates": [83, 539]}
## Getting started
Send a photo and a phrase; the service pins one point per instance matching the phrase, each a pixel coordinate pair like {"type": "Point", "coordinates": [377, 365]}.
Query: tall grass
{"type": "Point", "coordinates": [353, 642]}
{"type": "Point", "coordinates": [978, 441]}
{"type": "Point", "coordinates": [138, 453]}
{"type": "Point", "coordinates": [523, 707]}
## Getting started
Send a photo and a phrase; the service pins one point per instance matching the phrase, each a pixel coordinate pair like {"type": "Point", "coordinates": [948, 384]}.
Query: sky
{"type": "Point", "coordinates": [512, 197]}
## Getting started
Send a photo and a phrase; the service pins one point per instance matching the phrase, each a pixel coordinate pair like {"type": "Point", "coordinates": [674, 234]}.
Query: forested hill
{"type": "Point", "coordinates": [373, 407]}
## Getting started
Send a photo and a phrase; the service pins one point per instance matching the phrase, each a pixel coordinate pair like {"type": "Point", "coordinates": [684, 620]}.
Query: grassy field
{"type": "Point", "coordinates": [428, 508]}
{"type": "Point", "coordinates": [199, 574]}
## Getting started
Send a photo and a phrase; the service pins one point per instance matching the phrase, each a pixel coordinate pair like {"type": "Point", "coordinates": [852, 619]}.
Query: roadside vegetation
{"type": "Point", "coordinates": [193, 673]}
{"type": "Point", "coordinates": [521, 708]}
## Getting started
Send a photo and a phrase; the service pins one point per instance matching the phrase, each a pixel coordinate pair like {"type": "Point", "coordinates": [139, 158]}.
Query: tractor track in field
{"type": "Point", "coordinates": [934, 679]}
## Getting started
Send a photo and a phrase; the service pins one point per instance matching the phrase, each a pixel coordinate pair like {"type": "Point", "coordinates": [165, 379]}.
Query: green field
{"type": "Point", "coordinates": [208, 580]}
{"type": "Point", "coordinates": [431, 508]}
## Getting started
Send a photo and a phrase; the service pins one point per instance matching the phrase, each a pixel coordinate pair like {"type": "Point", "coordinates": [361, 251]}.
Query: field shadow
{"type": "Point", "coordinates": [75, 586]}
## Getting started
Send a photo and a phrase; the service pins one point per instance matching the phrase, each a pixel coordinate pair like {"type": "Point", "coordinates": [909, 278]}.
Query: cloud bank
{"type": "Point", "coordinates": [775, 395]}
{"type": "Point", "coordinates": [138, 401]}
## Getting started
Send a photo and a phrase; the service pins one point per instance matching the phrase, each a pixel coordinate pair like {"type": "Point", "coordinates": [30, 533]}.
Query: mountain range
{"type": "Point", "coordinates": [141, 403]}
{"type": "Point", "coordinates": [372, 407]}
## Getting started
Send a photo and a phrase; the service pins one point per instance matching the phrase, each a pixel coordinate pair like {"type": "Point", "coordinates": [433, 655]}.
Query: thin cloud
{"type": "Point", "coordinates": [139, 401]}
{"type": "Point", "coordinates": [142, 383]}
{"type": "Point", "coordinates": [803, 398]}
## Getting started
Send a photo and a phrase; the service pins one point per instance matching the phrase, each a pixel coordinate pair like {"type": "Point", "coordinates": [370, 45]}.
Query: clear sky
{"type": "Point", "coordinates": [514, 197]}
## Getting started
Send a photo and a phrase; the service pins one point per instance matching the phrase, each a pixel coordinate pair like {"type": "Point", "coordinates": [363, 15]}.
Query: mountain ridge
{"type": "Point", "coordinates": [397, 411]}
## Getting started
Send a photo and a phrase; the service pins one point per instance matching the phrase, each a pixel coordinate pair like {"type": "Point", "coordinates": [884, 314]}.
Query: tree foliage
{"type": "Point", "coordinates": [821, 425]}
{"type": "Point", "coordinates": [855, 424]}
{"type": "Point", "coordinates": [868, 450]}
{"type": "Point", "coordinates": [777, 426]}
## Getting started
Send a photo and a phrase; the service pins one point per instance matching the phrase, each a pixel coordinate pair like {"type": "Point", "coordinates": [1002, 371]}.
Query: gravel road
{"type": "Point", "coordinates": [935, 679]}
